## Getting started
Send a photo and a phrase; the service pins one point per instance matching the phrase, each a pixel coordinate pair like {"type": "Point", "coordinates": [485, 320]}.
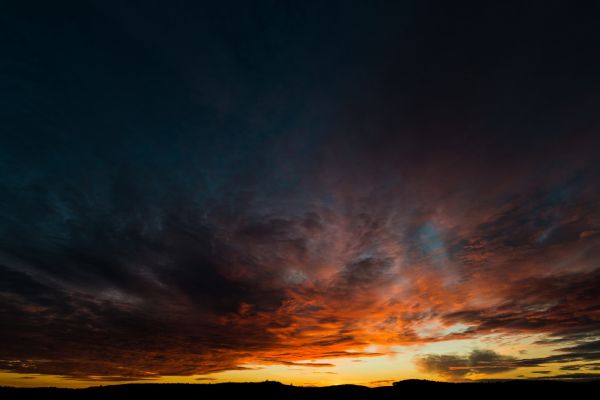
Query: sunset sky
{"type": "Point", "coordinates": [315, 193]}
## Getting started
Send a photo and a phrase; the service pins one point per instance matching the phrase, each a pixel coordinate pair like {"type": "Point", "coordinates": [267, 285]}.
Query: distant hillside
{"type": "Point", "coordinates": [278, 391]}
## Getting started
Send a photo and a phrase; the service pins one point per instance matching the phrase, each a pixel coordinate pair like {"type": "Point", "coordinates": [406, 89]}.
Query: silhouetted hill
{"type": "Point", "coordinates": [278, 391]}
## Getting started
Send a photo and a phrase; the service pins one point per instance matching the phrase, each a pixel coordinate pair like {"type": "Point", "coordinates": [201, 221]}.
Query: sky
{"type": "Point", "coordinates": [315, 193]}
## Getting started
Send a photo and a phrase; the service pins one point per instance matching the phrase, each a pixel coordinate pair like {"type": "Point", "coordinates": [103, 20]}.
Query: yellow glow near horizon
{"type": "Point", "coordinates": [369, 371]}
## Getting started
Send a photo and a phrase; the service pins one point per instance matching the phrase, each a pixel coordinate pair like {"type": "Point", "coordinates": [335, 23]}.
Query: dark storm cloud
{"type": "Point", "coordinates": [190, 188]}
{"type": "Point", "coordinates": [578, 376]}
{"type": "Point", "coordinates": [456, 366]}
{"type": "Point", "coordinates": [583, 352]}
{"type": "Point", "coordinates": [587, 347]}
{"type": "Point", "coordinates": [565, 305]}
{"type": "Point", "coordinates": [589, 367]}
{"type": "Point", "coordinates": [487, 361]}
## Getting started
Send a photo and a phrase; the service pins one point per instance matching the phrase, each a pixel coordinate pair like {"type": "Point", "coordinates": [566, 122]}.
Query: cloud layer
{"type": "Point", "coordinates": [232, 190]}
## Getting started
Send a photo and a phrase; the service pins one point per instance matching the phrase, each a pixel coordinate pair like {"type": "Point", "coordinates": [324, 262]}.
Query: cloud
{"type": "Point", "coordinates": [304, 364]}
{"type": "Point", "coordinates": [454, 366]}
{"type": "Point", "coordinates": [581, 353]}
{"type": "Point", "coordinates": [577, 376]}
{"type": "Point", "coordinates": [382, 382]}
{"type": "Point", "coordinates": [577, 367]}
{"type": "Point", "coordinates": [457, 366]}
{"type": "Point", "coordinates": [557, 304]}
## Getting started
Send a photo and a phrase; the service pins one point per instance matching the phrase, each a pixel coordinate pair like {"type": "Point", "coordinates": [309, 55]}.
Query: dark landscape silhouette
{"type": "Point", "coordinates": [276, 390]}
